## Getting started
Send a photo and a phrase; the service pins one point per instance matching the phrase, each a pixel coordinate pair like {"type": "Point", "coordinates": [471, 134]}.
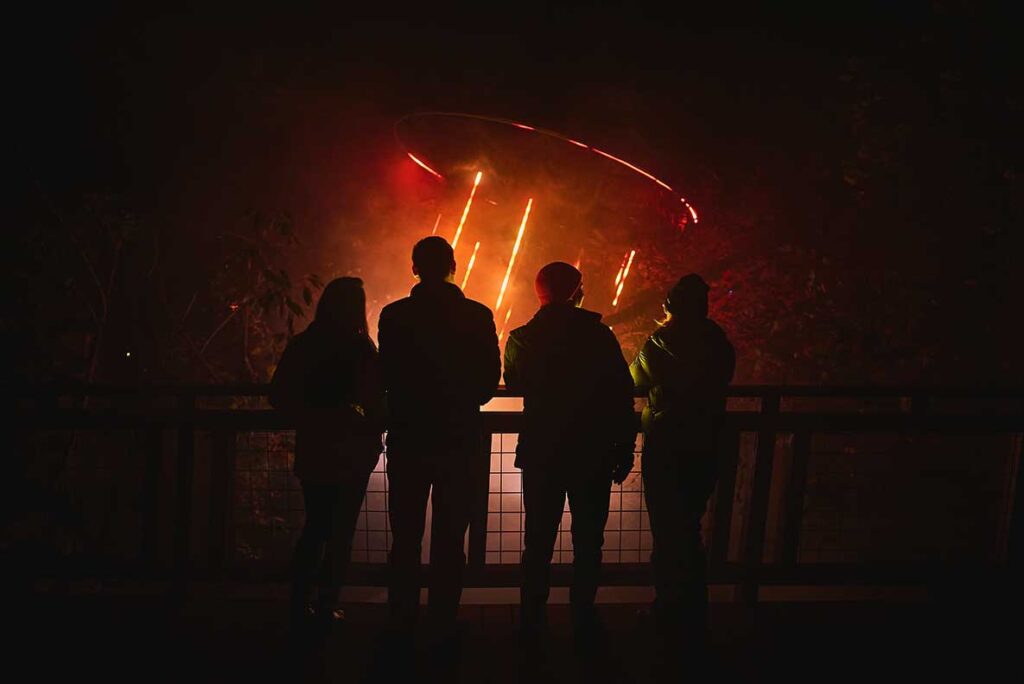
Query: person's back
{"type": "Point", "coordinates": [440, 363]}
{"type": "Point", "coordinates": [440, 359]}
{"type": "Point", "coordinates": [567, 365]}
{"type": "Point", "coordinates": [328, 381]}
{"type": "Point", "coordinates": [577, 437]}
{"type": "Point", "coordinates": [685, 366]}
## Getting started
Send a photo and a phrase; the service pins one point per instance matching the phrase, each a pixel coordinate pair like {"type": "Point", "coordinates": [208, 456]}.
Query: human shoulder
{"type": "Point", "coordinates": [477, 309]}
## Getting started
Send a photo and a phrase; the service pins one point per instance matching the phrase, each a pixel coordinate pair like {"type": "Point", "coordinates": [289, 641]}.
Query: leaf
{"type": "Point", "coordinates": [293, 307]}
{"type": "Point", "coordinates": [307, 296]}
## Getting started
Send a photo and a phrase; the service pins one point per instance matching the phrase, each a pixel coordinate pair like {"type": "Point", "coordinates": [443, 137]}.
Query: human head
{"type": "Point", "coordinates": [342, 306]}
{"type": "Point", "coordinates": [433, 259]}
{"type": "Point", "coordinates": [688, 298]}
{"type": "Point", "coordinates": [559, 282]}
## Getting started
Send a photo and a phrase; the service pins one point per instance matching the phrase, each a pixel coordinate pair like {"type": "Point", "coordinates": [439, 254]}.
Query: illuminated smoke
{"type": "Point", "coordinates": [515, 251]}
{"type": "Point", "coordinates": [622, 281]}
{"type": "Point", "coordinates": [465, 212]}
{"type": "Point", "coordinates": [469, 268]}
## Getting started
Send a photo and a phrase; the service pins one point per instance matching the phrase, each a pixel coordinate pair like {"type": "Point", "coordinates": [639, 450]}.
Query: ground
{"type": "Point", "coordinates": [132, 636]}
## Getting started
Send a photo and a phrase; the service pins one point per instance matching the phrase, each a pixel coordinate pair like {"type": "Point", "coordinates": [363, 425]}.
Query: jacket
{"type": "Point", "coordinates": [331, 384]}
{"type": "Point", "coordinates": [685, 367]}
{"type": "Point", "coordinates": [577, 392]}
{"type": "Point", "coordinates": [439, 362]}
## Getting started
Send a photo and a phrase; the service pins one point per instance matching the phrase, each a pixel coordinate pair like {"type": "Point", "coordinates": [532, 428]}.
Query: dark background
{"type": "Point", "coordinates": [857, 172]}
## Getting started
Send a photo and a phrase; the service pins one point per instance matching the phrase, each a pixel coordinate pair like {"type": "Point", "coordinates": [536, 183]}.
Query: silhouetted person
{"type": "Point", "coordinates": [440, 362]}
{"type": "Point", "coordinates": [685, 366]}
{"type": "Point", "coordinates": [328, 378]}
{"type": "Point", "coordinates": [579, 429]}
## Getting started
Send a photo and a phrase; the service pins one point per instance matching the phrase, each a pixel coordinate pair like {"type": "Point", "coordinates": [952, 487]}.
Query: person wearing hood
{"type": "Point", "coordinates": [685, 368]}
{"type": "Point", "coordinates": [328, 381]}
{"type": "Point", "coordinates": [579, 431]}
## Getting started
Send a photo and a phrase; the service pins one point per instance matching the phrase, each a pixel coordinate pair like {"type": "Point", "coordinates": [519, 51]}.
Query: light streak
{"type": "Point", "coordinates": [625, 274]}
{"type": "Point", "coordinates": [436, 221]}
{"type": "Point", "coordinates": [465, 212]}
{"type": "Point", "coordinates": [540, 131]}
{"type": "Point", "coordinates": [469, 268]}
{"type": "Point", "coordinates": [515, 251]}
{"type": "Point", "coordinates": [635, 168]}
{"type": "Point", "coordinates": [424, 166]}
{"type": "Point", "coordinates": [508, 315]}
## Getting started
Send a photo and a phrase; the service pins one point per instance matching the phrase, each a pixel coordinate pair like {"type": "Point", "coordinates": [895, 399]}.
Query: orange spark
{"type": "Point", "coordinates": [515, 251]}
{"type": "Point", "coordinates": [625, 273]}
{"type": "Point", "coordinates": [622, 267]}
{"type": "Point", "coordinates": [508, 314]}
{"type": "Point", "coordinates": [469, 268]}
{"type": "Point", "coordinates": [465, 212]}
{"type": "Point", "coordinates": [437, 221]}
{"type": "Point", "coordinates": [424, 166]}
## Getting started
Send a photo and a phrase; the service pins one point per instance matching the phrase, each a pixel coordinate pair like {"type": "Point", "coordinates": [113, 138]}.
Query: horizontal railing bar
{"type": "Point", "coordinates": [736, 391]}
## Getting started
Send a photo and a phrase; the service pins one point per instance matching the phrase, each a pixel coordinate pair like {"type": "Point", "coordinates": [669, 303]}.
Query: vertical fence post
{"type": "Point", "coordinates": [478, 522]}
{"type": "Point", "coordinates": [183, 509]}
{"type": "Point", "coordinates": [222, 470]}
{"type": "Point", "coordinates": [153, 446]}
{"type": "Point", "coordinates": [757, 513]}
{"type": "Point", "coordinates": [794, 498]}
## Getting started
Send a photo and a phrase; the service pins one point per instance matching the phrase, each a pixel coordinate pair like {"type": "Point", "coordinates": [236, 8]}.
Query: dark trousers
{"type": "Point", "coordinates": [412, 474]}
{"type": "Point", "coordinates": [544, 493]}
{"type": "Point", "coordinates": [677, 484]}
{"type": "Point", "coordinates": [325, 546]}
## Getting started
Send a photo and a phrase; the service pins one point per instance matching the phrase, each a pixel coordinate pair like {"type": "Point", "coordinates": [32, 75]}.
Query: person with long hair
{"type": "Point", "coordinates": [328, 379]}
{"type": "Point", "coordinates": [685, 367]}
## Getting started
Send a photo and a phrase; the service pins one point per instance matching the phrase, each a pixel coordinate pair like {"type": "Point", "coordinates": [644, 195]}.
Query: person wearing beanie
{"type": "Point", "coordinates": [579, 431]}
{"type": "Point", "coordinates": [685, 368]}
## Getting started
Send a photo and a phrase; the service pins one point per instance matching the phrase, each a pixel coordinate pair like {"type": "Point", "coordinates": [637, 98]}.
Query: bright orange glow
{"type": "Point", "coordinates": [508, 315]}
{"type": "Point", "coordinates": [515, 251]}
{"type": "Point", "coordinates": [622, 282]}
{"type": "Point", "coordinates": [524, 127]}
{"type": "Point", "coordinates": [437, 221]}
{"type": "Point", "coordinates": [578, 143]}
{"type": "Point", "coordinates": [469, 268]}
{"type": "Point", "coordinates": [424, 166]}
{"type": "Point", "coordinates": [465, 212]}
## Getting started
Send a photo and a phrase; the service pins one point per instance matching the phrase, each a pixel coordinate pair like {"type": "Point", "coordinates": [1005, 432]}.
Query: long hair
{"type": "Point", "coordinates": [342, 307]}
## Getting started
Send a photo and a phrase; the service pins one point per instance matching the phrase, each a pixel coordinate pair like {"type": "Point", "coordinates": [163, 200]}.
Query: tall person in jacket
{"type": "Point", "coordinates": [328, 380]}
{"type": "Point", "coordinates": [685, 367]}
{"type": "Point", "coordinates": [579, 430]}
{"type": "Point", "coordinates": [440, 362]}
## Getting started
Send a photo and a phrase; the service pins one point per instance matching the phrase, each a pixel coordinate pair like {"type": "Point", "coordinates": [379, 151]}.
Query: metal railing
{"type": "Point", "coordinates": [789, 456]}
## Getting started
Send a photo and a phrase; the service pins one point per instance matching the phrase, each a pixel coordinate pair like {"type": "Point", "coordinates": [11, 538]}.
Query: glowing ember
{"type": "Point", "coordinates": [515, 251]}
{"type": "Point", "coordinates": [622, 281]}
{"type": "Point", "coordinates": [508, 315]}
{"type": "Point", "coordinates": [437, 221]}
{"type": "Point", "coordinates": [424, 166]}
{"type": "Point", "coordinates": [465, 212]}
{"type": "Point", "coordinates": [469, 268]}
